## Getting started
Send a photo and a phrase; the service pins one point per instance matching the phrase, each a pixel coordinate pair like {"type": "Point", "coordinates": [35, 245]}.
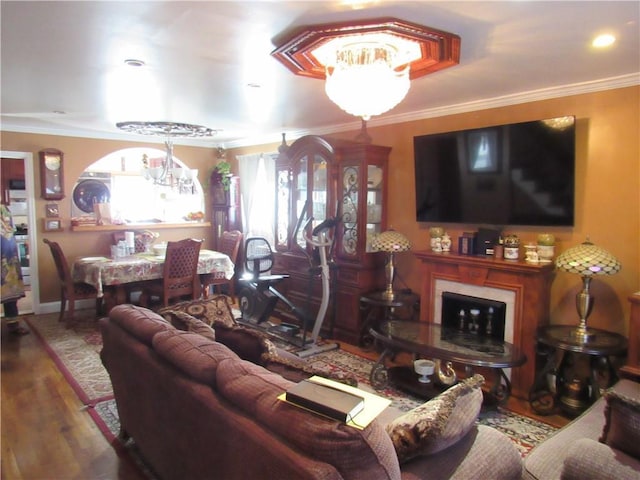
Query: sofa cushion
{"type": "Point", "coordinates": [193, 354]}
{"type": "Point", "coordinates": [215, 310]}
{"type": "Point", "coordinates": [141, 322]}
{"type": "Point", "coordinates": [622, 423]}
{"type": "Point", "coordinates": [355, 453]}
{"type": "Point", "coordinates": [184, 321]}
{"type": "Point", "coordinates": [438, 423]}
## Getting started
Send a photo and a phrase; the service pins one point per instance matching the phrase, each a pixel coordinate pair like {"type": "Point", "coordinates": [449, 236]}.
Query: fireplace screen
{"type": "Point", "coordinates": [473, 315]}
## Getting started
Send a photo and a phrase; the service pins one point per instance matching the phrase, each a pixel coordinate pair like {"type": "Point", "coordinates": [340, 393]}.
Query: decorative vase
{"type": "Point", "coordinates": [546, 253]}
{"type": "Point", "coordinates": [446, 243]}
{"type": "Point", "coordinates": [511, 247]}
{"type": "Point", "coordinates": [531, 253]}
{"type": "Point", "coordinates": [436, 244]}
{"type": "Point", "coordinates": [546, 247]}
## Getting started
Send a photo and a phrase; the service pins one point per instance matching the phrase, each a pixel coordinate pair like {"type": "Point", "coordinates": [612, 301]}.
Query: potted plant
{"type": "Point", "coordinates": [222, 174]}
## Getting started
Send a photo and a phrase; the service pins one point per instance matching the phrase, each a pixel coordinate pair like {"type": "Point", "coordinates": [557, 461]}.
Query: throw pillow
{"type": "Point", "coordinates": [248, 344]}
{"type": "Point", "coordinates": [184, 321]}
{"type": "Point", "coordinates": [215, 310]}
{"type": "Point", "coordinates": [438, 423]}
{"type": "Point", "coordinates": [296, 370]}
{"type": "Point", "coordinates": [622, 423]}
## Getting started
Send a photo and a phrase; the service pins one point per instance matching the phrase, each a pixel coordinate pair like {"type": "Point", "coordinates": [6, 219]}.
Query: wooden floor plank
{"type": "Point", "coordinates": [47, 433]}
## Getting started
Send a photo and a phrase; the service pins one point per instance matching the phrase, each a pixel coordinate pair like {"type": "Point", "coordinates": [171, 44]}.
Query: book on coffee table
{"type": "Point", "coordinates": [373, 404]}
{"type": "Point", "coordinates": [326, 400]}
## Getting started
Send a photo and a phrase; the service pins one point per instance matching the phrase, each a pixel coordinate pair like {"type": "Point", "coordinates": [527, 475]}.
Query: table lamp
{"type": "Point", "coordinates": [586, 260]}
{"type": "Point", "coordinates": [391, 242]}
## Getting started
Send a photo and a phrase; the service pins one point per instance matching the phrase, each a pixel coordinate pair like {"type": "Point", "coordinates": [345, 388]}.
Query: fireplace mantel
{"type": "Point", "coordinates": [531, 284]}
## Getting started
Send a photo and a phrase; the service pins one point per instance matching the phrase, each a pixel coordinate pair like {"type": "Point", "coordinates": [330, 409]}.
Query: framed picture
{"type": "Point", "coordinates": [483, 150]}
{"type": "Point", "coordinates": [51, 210]}
{"type": "Point", "coordinates": [52, 224]}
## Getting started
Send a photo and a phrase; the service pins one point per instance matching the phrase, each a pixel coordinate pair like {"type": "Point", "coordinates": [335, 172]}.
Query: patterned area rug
{"type": "Point", "coordinates": [76, 352]}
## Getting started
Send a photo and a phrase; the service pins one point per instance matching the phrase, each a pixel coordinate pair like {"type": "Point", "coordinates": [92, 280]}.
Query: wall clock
{"type": "Point", "coordinates": [51, 174]}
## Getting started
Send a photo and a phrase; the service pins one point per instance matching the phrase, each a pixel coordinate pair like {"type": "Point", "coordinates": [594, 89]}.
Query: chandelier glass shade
{"type": "Point", "coordinates": [390, 242]}
{"type": "Point", "coordinates": [586, 260]}
{"type": "Point", "coordinates": [167, 172]}
{"type": "Point", "coordinates": [367, 64]}
{"type": "Point", "coordinates": [364, 80]}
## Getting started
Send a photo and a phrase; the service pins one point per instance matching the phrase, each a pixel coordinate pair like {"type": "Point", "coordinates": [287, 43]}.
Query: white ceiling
{"type": "Point", "coordinates": [201, 56]}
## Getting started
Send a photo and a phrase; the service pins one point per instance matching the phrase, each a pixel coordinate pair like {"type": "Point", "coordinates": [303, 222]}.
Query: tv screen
{"type": "Point", "coordinates": [516, 174]}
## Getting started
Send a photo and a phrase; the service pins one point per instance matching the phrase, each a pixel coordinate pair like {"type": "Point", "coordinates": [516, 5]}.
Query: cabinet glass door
{"type": "Point", "coordinates": [301, 195]}
{"type": "Point", "coordinates": [350, 181]}
{"type": "Point", "coordinates": [375, 179]}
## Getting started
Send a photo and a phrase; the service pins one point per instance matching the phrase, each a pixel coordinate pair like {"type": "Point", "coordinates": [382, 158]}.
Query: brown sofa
{"type": "Point", "coordinates": [602, 443]}
{"type": "Point", "coordinates": [196, 410]}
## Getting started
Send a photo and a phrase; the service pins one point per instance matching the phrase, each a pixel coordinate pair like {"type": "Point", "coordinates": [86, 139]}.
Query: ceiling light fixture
{"type": "Point", "coordinates": [134, 62]}
{"type": "Point", "coordinates": [166, 173]}
{"type": "Point", "coordinates": [603, 41]}
{"type": "Point", "coordinates": [367, 65]}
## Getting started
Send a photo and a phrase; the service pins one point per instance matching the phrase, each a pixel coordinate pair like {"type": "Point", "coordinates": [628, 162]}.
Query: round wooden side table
{"type": "Point", "coordinates": [558, 344]}
{"type": "Point", "coordinates": [377, 308]}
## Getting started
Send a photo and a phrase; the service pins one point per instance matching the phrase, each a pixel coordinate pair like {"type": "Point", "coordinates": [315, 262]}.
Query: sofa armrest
{"type": "Point", "coordinates": [589, 459]}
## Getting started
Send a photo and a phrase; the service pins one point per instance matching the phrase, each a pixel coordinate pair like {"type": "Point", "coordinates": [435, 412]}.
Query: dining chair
{"type": "Point", "coordinates": [70, 291]}
{"type": "Point", "coordinates": [230, 242]}
{"type": "Point", "coordinates": [139, 246]}
{"type": "Point", "coordinates": [179, 275]}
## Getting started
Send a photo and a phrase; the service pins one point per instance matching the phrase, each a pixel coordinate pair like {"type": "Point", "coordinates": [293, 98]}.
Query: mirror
{"type": "Point", "coordinates": [132, 183]}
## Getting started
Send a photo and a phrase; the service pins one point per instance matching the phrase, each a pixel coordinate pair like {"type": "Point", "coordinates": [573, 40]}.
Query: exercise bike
{"type": "Point", "coordinates": [259, 296]}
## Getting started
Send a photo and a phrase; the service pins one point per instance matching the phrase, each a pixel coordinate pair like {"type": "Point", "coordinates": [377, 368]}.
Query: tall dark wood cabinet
{"type": "Point", "coordinates": [331, 178]}
{"type": "Point", "coordinates": [225, 205]}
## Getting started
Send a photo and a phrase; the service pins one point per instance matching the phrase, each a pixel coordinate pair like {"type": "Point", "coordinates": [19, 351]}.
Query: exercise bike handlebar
{"type": "Point", "coordinates": [320, 231]}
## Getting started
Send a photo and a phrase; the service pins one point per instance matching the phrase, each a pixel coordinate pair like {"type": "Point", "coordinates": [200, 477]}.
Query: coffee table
{"type": "Point", "coordinates": [431, 340]}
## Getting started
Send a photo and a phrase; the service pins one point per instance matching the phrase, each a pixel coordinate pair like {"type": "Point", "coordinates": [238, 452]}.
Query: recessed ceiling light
{"type": "Point", "coordinates": [133, 62]}
{"type": "Point", "coordinates": [603, 41]}
{"type": "Point", "coordinates": [59, 112]}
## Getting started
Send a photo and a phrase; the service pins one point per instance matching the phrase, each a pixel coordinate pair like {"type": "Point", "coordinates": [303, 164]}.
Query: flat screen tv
{"type": "Point", "coordinates": [516, 174]}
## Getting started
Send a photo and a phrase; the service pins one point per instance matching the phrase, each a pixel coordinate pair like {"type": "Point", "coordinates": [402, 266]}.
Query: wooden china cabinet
{"type": "Point", "coordinates": [225, 205]}
{"type": "Point", "coordinates": [327, 178]}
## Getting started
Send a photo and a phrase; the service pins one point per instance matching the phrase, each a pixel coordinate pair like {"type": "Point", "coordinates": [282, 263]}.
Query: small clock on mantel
{"type": "Point", "coordinates": [51, 174]}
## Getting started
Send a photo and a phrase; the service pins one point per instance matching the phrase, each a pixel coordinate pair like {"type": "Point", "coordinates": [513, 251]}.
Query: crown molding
{"type": "Point", "coordinates": [611, 83]}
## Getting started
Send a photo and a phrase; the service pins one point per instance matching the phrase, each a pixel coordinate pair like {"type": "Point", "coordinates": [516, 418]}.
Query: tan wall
{"type": "Point", "coordinates": [607, 192]}
{"type": "Point", "coordinates": [79, 153]}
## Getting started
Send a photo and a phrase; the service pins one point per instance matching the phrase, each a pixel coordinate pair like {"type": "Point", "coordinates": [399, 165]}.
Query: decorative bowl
{"type": "Point", "coordinates": [424, 368]}
{"type": "Point", "coordinates": [160, 249]}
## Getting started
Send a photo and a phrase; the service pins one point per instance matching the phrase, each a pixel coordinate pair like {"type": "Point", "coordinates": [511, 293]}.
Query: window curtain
{"type": "Point", "coordinates": [258, 176]}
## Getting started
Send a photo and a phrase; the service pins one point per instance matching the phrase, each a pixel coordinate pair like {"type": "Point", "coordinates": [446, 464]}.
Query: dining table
{"type": "Point", "coordinates": [113, 277]}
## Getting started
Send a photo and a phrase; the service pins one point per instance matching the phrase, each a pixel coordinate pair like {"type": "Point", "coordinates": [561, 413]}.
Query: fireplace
{"type": "Point", "coordinates": [523, 288]}
{"type": "Point", "coordinates": [473, 315]}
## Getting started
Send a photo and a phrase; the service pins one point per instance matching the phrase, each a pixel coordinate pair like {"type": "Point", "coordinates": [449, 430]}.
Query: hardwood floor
{"type": "Point", "coordinates": [48, 434]}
